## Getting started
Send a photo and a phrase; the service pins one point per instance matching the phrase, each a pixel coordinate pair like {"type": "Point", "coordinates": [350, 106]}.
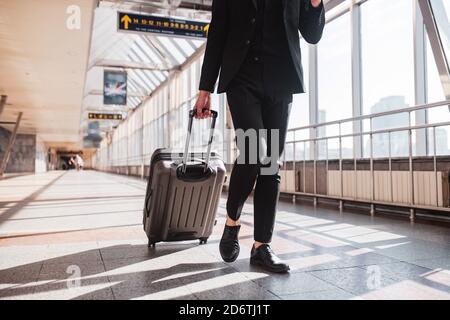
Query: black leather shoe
{"type": "Point", "coordinates": [266, 258]}
{"type": "Point", "coordinates": [229, 244]}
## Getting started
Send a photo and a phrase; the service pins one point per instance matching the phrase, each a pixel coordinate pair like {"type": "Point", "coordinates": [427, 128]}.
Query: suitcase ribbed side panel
{"type": "Point", "coordinates": [206, 210]}
{"type": "Point", "coordinates": [198, 206]}
{"type": "Point", "coordinates": [171, 208]}
{"type": "Point", "coordinates": [196, 196]}
{"type": "Point", "coordinates": [179, 206]}
{"type": "Point", "coordinates": [209, 224]}
{"type": "Point", "coordinates": [185, 218]}
{"type": "Point", "coordinates": [160, 197]}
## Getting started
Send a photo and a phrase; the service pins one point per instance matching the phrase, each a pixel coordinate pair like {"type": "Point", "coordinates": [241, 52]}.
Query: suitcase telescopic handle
{"type": "Point", "coordinates": [192, 114]}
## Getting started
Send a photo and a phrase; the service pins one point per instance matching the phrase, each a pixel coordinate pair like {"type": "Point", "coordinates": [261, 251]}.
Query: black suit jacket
{"type": "Point", "coordinates": [231, 29]}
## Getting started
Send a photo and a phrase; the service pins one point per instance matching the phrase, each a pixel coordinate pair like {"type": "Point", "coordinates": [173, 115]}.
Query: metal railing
{"type": "Point", "coordinates": [315, 139]}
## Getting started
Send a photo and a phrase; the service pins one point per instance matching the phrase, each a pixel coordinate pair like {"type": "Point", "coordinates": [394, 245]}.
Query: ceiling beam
{"type": "Point", "coordinates": [436, 45]}
{"type": "Point", "coordinates": [331, 4]}
{"type": "Point", "coordinates": [168, 56]}
{"type": "Point", "coordinates": [179, 48]}
{"type": "Point", "coordinates": [10, 145]}
{"type": "Point", "coordinates": [3, 99]}
{"type": "Point", "coordinates": [105, 63]}
{"type": "Point", "coordinates": [131, 94]}
{"type": "Point", "coordinates": [203, 5]}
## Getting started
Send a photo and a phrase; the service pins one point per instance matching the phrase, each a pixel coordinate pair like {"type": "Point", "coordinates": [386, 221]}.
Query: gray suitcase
{"type": "Point", "coordinates": [182, 197]}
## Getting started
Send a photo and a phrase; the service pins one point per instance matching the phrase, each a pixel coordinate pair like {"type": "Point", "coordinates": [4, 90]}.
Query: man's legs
{"type": "Point", "coordinates": [246, 111]}
{"type": "Point", "coordinates": [275, 114]}
{"type": "Point", "coordinates": [252, 111]}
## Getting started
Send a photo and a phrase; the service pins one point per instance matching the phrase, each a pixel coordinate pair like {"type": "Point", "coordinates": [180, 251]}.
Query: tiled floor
{"type": "Point", "coordinates": [78, 235]}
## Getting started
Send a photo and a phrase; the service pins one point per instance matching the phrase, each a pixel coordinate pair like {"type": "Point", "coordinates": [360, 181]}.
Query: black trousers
{"type": "Point", "coordinates": [253, 107]}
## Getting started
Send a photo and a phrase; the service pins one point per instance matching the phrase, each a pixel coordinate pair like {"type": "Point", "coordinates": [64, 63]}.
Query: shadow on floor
{"type": "Point", "coordinates": [51, 275]}
{"type": "Point", "coordinates": [136, 271]}
{"type": "Point", "coordinates": [24, 202]}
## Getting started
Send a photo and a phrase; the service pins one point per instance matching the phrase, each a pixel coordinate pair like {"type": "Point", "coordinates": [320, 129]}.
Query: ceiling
{"type": "Point", "coordinates": [43, 65]}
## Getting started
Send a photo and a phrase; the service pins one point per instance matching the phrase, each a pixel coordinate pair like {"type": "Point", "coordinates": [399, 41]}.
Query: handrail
{"type": "Point", "coordinates": [364, 133]}
{"type": "Point", "coordinates": [375, 115]}
{"type": "Point", "coordinates": [188, 100]}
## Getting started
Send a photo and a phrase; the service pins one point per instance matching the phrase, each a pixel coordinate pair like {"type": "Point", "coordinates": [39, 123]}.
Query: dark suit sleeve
{"type": "Point", "coordinates": [215, 45]}
{"type": "Point", "coordinates": [311, 21]}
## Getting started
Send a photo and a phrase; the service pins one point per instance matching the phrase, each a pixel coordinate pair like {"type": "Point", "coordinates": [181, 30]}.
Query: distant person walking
{"type": "Point", "coordinates": [79, 163]}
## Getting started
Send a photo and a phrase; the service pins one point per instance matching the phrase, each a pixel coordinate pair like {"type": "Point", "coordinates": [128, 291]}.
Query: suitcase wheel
{"type": "Point", "coordinates": [203, 240]}
{"type": "Point", "coordinates": [151, 244]}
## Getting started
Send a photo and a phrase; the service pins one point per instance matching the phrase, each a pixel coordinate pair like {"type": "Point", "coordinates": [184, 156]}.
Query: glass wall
{"type": "Point", "coordinates": [387, 54]}
{"type": "Point", "coordinates": [335, 71]}
{"type": "Point", "coordinates": [387, 71]}
{"type": "Point", "coordinates": [299, 116]}
{"type": "Point", "coordinates": [334, 85]}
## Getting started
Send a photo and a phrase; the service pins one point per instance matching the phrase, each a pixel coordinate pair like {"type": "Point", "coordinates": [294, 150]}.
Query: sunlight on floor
{"type": "Point", "coordinates": [406, 290]}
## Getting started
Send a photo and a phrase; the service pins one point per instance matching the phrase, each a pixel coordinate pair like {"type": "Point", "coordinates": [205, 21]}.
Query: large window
{"type": "Point", "coordinates": [335, 85]}
{"type": "Point", "coordinates": [335, 71]}
{"type": "Point", "coordinates": [387, 70]}
{"type": "Point", "coordinates": [299, 115]}
{"type": "Point", "coordinates": [387, 53]}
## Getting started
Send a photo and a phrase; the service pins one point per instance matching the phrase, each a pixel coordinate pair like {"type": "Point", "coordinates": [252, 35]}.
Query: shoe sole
{"type": "Point", "coordinates": [230, 260]}
{"type": "Point", "coordinates": [263, 266]}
